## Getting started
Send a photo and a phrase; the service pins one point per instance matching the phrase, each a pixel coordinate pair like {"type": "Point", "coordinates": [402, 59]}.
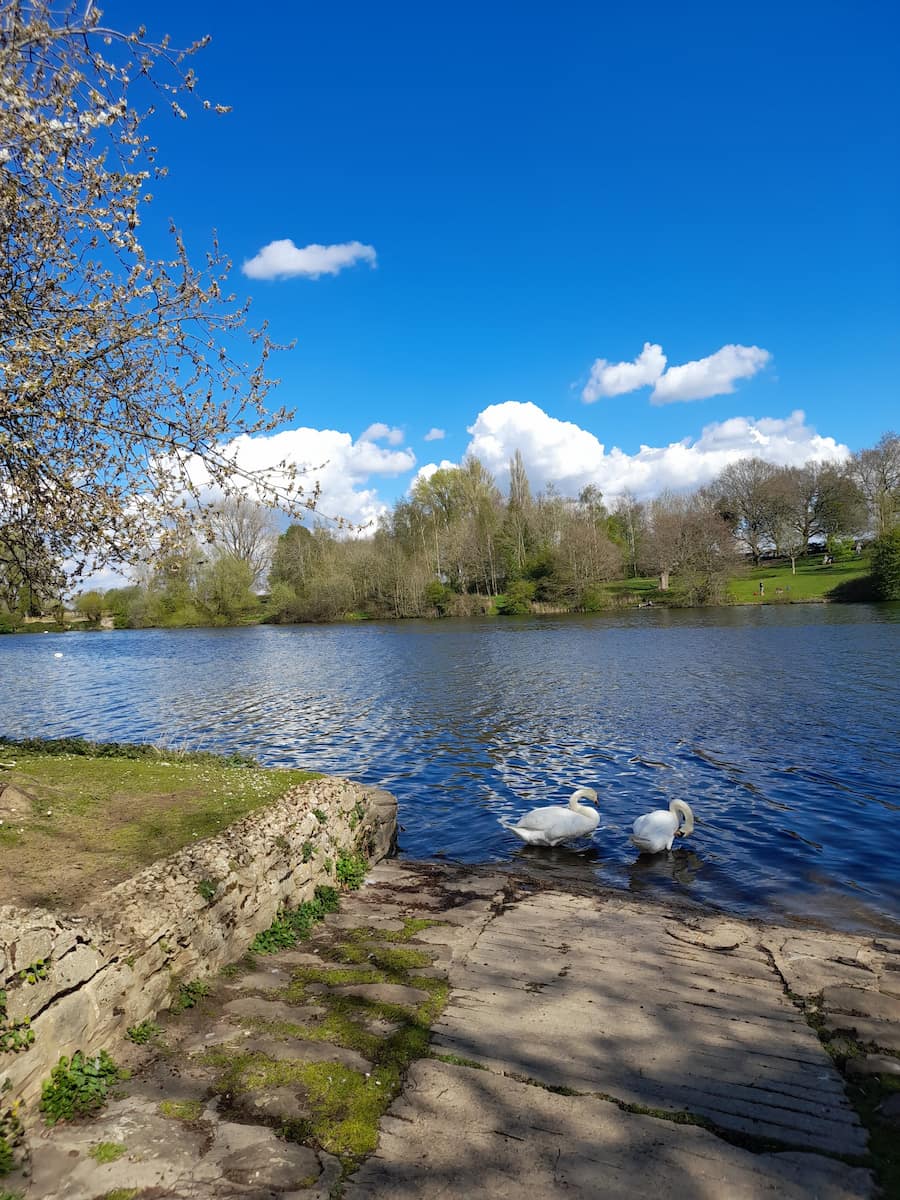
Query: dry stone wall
{"type": "Point", "coordinates": [78, 982]}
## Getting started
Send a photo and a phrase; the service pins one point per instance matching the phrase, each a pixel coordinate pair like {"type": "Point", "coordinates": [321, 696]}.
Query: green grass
{"type": "Point", "coordinates": [811, 582]}
{"type": "Point", "coordinates": [111, 816]}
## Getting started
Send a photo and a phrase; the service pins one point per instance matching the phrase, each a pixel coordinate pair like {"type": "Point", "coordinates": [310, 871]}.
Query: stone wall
{"type": "Point", "coordinates": [81, 981]}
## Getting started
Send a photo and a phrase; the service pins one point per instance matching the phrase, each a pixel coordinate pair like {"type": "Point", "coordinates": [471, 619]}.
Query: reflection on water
{"type": "Point", "coordinates": [777, 725]}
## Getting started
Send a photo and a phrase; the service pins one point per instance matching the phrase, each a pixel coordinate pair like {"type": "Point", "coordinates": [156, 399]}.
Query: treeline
{"type": "Point", "coordinates": [457, 546]}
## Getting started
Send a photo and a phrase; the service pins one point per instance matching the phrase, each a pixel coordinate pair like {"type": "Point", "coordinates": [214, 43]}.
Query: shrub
{"type": "Point", "coordinates": [77, 1087]}
{"type": "Point", "coordinates": [886, 565]}
{"type": "Point", "coordinates": [517, 600]}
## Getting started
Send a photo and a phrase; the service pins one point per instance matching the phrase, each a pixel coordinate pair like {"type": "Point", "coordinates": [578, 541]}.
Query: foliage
{"type": "Point", "coordinates": [90, 605]}
{"type": "Point", "coordinates": [350, 870]}
{"type": "Point", "coordinates": [189, 995]}
{"type": "Point", "coordinates": [10, 1137]}
{"type": "Point", "coordinates": [77, 1087]}
{"type": "Point", "coordinates": [208, 889]}
{"type": "Point", "coordinates": [517, 600]}
{"type": "Point", "coordinates": [143, 1033]}
{"type": "Point", "coordinates": [35, 971]}
{"type": "Point", "coordinates": [121, 389]}
{"type": "Point", "coordinates": [292, 925]}
{"type": "Point", "coordinates": [14, 1035]}
{"type": "Point", "coordinates": [886, 565]}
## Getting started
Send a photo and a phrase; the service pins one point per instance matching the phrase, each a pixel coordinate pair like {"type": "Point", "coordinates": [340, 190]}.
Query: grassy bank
{"type": "Point", "coordinates": [812, 581]}
{"type": "Point", "coordinates": [77, 818]}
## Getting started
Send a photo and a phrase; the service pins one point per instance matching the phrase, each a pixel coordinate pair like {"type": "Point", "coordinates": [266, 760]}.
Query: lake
{"type": "Point", "coordinates": [777, 724]}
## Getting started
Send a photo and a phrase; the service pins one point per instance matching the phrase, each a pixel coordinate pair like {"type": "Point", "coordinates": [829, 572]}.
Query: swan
{"type": "Point", "coordinates": [657, 830]}
{"type": "Point", "coordinates": [554, 824]}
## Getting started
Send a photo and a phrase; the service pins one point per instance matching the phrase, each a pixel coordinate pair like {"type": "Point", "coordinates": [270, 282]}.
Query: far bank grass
{"type": "Point", "coordinates": [811, 582]}
{"type": "Point", "coordinates": [78, 823]}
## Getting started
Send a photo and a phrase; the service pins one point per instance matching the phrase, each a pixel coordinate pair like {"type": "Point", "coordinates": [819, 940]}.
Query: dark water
{"type": "Point", "coordinates": [778, 725]}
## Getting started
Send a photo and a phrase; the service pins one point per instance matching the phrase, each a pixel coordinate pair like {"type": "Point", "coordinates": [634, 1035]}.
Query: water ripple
{"type": "Point", "coordinates": [778, 725]}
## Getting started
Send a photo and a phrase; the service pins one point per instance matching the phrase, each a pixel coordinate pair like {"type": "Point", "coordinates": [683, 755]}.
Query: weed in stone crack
{"type": "Point", "coordinates": [121, 1194]}
{"type": "Point", "coordinates": [208, 889]}
{"type": "Point", "coordinates": [320, 816]}
{"type": "Point", "coordinates": [189, 995]}
{"type": "Point", "coordinates": [35, 972]}
{"type": "Point", "coordinates": [308, 851]}
{"type": "Point", "coordinates": [350, 870]}
{"type": "Point", "coordinates": [77, 1087]}
{"type": "Point", "coordinates": [292, 925]}
{"type": "Point", "coordinates": [107, 1152]}
{"type": "Point", "coordinates": [143, 1033]}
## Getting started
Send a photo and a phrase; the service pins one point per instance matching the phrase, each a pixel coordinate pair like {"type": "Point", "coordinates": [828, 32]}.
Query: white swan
{"type": "Point", "coordinates": [555, 824]}
{"type": "Point", "coordinates": [657, 830]}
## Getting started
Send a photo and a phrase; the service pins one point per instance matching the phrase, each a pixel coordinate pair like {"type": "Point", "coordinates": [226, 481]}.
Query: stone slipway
{"type": "Point", "coordinates": [591, 1046]}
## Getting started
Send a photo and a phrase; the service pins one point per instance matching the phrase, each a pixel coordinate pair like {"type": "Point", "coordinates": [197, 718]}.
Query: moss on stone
{"type": "Point", "coordinates": [181, 1110]}
{"type": "Point", "coordinates": [107, 1152]}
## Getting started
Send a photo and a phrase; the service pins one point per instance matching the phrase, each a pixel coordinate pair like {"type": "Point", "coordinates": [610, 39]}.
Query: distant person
{"type": "Point", "coordinates": [762, 588]}
{"type": "Point", "coordinates": [857, 549]}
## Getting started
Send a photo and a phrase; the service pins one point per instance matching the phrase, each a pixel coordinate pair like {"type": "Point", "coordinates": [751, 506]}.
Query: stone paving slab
{"type": "Point", "coordinates": [462, 1132]}
{"type": "Point", "coordinates": [635, 1013]}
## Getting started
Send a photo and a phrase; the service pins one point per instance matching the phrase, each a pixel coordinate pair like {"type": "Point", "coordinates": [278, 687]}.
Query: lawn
{"type": "Point", "coordinates": [71, 824]}
{"type": "Point", "coordinates": [811, 582]}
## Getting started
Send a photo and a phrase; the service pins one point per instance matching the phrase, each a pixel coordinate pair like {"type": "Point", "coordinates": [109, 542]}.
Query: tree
{"type": "Point", "coordinates": [90, 605]}
{"type": "Point", "coordinates": [877, 474]}
{"type": "Point", "coordinates": [886, 565]}
{"type": "Point", "coordinates": [30, 578]}
{"type": "Point", "coordinates": [689, 538]}
{"type": "Point", "coordinates": [745, 501]}
{"type": "Point", "coordinates": [122, 374]}
{"type": "Point", "coordinates": [223, 589]}
{"type": "Point", "coordinates": [245, 530]}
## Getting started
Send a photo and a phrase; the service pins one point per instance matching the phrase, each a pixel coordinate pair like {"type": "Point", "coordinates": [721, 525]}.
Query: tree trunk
{"type": "Point", "coordinates": [664, 581]}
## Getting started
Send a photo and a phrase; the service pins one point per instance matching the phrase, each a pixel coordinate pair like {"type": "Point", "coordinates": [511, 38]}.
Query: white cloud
{"type": "Point", "coordinates": [435, 435]}
{"type": "Point", "coordinates": [614, 379]}
{"type": "Point", "coordinates": [283, 260]}
{"type": "Point", "coordinates": [712, 376]}
{"type": "Point", "coordinates": [379, 431]}
{"type": "Point", "coordinates": [342, 467]}
{"type": "Point", "coordinates": [571, 457]}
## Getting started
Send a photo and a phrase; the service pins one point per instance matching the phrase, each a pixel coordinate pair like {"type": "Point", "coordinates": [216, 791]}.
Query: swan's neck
{"type": "Point", "coordinates": [582, 793]}
{"type": "Point", "coordinates": [683, 810]}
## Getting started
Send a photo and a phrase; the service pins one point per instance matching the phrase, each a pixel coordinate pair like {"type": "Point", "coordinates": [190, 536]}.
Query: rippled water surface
{"type": "Point", "coordinates": [778, 725]}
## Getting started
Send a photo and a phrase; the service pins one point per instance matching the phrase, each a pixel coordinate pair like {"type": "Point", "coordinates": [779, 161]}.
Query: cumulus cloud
{"type": "Point", "coordinates": [712, 376]}
{"type": "Point", "coordinates": [563, 453]}
{"type": "Point", "coordinates": [435, 435]}
{"type": "Point", "coordinates": [381, 432]}
{"type": "Point", "coordinates": [283, 260]}
{"type": "Point", "coordinates": [614, 379]}
{"type": "Point", "coordinates": [343, 468]}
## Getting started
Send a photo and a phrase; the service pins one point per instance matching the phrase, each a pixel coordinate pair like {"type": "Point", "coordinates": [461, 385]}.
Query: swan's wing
{"type": "Point", "coordinates": [653, 830]}
{"type": "Point", "coordinates": [560, 823]}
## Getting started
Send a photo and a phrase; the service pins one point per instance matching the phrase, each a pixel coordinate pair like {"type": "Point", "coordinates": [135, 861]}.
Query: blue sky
{"type": "Point", "coordinates": [534, 188]}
